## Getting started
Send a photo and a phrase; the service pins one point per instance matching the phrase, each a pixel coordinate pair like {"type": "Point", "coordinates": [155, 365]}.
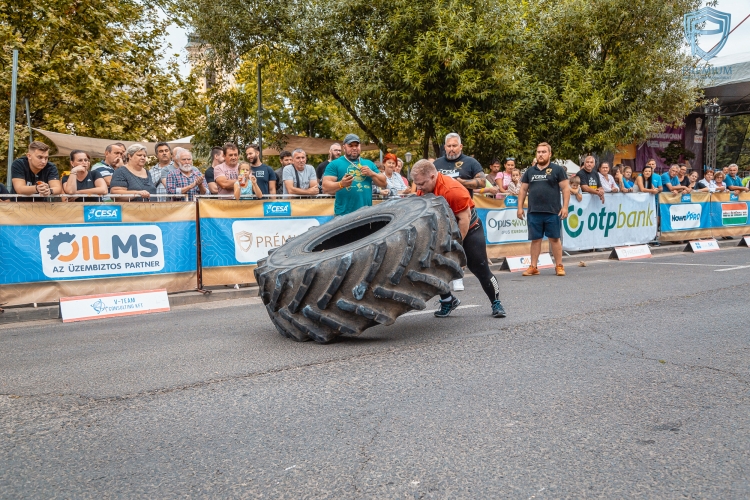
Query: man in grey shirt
{"type": "Point", "coordinates": [299, 177]}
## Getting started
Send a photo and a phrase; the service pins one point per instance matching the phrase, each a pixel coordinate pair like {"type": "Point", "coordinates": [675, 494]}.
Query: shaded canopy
{"type": "Point", "coordinates": [729, 83]}
{"type": "Point", "coordinates": [95, 147]}
{"type": "Point", "coordinates": [66, 143]}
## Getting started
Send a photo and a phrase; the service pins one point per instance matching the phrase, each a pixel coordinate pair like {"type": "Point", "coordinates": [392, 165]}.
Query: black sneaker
{"type": "Point", "coordinates": [497, 310]}
{"type": "Point", "coordinates": [446, 308]}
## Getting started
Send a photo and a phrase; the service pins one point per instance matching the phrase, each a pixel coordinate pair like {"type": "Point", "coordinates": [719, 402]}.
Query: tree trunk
{"type": "Point", "coordinates": [359, 121]}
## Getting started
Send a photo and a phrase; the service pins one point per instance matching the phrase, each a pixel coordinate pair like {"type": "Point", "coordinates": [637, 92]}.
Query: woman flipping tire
{"type": "Point", "coordinates": [362, 269]}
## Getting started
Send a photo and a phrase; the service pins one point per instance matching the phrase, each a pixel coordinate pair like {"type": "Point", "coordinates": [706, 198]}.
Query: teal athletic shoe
{"type": "Point", "coordinates": [497, 310]}
{"type": "Point", "coordinates": [446, 308]}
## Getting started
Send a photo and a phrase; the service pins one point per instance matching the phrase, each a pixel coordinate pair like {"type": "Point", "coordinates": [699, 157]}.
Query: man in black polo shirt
{"type": "Point", "coordinates": [543, 183]}
{"type": "Point", "coordinates": [34, 174]}
{"type": "Point", "coordinates": [465, 169]}
{"type": "Point", "coordinates": [590, 181]}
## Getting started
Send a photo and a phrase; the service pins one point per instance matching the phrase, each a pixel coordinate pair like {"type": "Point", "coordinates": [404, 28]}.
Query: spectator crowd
{"type": "Point", "coordinates": [122, 173]}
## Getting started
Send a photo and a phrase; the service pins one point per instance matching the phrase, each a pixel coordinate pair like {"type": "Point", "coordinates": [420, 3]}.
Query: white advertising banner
{"type": "Point", "coordinates": [253, 238]}
{"type": "Point", "coordinates": [623, 219]}
{"type": "Point", "coordinates": [111, 305]}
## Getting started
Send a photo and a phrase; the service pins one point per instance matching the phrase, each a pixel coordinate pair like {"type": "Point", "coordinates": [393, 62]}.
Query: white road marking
{"type": "Point", "coordinates": [677, 264]}
{"type": "Point", "coordinates": [416, 313]}
{"type": "Point", "coordinates": [731, 268]}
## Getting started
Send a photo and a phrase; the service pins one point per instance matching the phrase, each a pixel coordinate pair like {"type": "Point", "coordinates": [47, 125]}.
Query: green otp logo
{"type": "Point", "coordinates": [606, 221]}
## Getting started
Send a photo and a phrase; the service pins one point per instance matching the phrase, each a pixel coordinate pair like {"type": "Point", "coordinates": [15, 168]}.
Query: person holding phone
{"type": "Point", "coordinates": [351, 177]}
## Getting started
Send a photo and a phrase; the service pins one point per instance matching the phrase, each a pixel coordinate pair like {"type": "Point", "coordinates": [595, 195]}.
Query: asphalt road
{"type": "Point", "coordinates": [623, 379]}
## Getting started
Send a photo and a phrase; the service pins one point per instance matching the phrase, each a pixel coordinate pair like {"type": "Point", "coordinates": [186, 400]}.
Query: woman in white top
{"type": "Point", "coordinates": [395, 184]}
{"type": "Point", "coordinates": [609, 184]}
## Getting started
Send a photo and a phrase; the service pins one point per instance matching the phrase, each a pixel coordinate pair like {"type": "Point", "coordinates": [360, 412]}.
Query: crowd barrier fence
{"type": "Point", "coordinates": [703, 215]}
{"type": "Point", "coordinates": [53, 250]}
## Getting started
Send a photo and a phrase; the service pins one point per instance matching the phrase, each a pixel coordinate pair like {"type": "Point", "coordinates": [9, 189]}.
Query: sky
{"type": "Point", "coordinates": [738, 41]}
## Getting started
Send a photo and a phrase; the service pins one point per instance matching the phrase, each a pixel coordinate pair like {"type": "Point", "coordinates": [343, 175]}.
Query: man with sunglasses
{"type": "Point", "coordinates": [351, 177]}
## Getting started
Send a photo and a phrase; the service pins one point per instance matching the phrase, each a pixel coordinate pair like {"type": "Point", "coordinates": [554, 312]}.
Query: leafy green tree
{"type": "Point", "coordinates": [581, 75]}
{"type": "Point", "coordinates": [287, 109]}
{"type": "Point", "coordinates": [92, 67]}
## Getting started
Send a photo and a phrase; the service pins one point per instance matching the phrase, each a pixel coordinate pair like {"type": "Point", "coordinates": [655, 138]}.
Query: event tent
{"type": "Point", "coordinates": [95, 147]}
{"type": "Point", "coordinates": [729, 83]}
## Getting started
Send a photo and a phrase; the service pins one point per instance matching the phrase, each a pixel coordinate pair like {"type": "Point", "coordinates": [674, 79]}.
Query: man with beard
{"type": "Point", "coordinates": [350, 178]}
{"type": "Point", "coordinates": [264, 174]}
{"type": "Point", "coordinates": [465, 169]}
{"type": "Point", "coordinates": [544, 183]}
{"type": "Point", "coordinates": [334, 152]}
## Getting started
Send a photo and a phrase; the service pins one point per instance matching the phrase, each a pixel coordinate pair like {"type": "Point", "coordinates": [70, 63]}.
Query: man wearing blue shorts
{"type": "Point", "coordinates": [544, 182]}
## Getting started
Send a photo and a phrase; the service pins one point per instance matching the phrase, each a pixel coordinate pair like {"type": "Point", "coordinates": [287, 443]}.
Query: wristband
{"type": "Point", "coordinates": [341, 186]}
{"type": "Point", "coordinates": [481, 191]}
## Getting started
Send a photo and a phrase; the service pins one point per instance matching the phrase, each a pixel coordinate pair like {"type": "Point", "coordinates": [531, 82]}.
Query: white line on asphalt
{"type": "Point", "coordinates": [416, 313]}
{"type": "Point", "coordinates": [676, 264]}
{"type": "Point", "coordinates": [731, 268]}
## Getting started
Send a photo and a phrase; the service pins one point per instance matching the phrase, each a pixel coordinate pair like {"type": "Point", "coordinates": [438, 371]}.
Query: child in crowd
{"type": "Point", "coordinates": [246, 186]}
{"type": "Point", "coordinates": [575, 187]}
{"type": "Point", "coordinates": [514, 186]}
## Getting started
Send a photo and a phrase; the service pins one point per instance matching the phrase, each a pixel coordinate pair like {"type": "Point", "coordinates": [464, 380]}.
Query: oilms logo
{"type": "Point", "coordinates": [606, 221]}
{"type": "Point", "coordinates": [78, 252]}
{"type": "Point", "coordinates": [685, 216]}
{"type": "Point", "coordinates": [99, 213]}
{"type": "Point", "coordinates": [277, 209]}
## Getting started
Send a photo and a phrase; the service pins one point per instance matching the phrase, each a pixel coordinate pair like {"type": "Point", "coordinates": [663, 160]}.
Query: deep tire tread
{"type": "Point", "coordinates": [322, 295]}
{"type": "Point", "coordinates": [411, 239]}
{"type": "Point", "coordinates": [365, 312]}
{"type": "Point", "coordinates": [338, 278]}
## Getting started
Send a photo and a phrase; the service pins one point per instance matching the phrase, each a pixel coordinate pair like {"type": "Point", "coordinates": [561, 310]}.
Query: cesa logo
{"type": "Point", "coordinates": [707, 21]}
{"type": "Point", "coordinates": [605, 221]}
{"type": "Point", "coordinates": [101, 250]}
{"type": "Point", "coordinates": [734, 197]}
{"type": "Point", "coordinates": [99, 213]}
{"type": "Point", "coordinates": [686, 198]}
{"type": "Point", "coordinates": [277, 209]}
{"type": "Point", "coordinates": [511, 201]}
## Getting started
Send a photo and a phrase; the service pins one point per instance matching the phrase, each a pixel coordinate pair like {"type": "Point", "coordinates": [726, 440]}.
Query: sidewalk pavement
{"type": "Point", "coordinates": [20, 314]}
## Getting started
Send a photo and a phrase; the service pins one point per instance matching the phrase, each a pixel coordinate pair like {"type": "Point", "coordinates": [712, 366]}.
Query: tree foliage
{"type": "Point", "coordinates": [92, 67]}
{"type": "Point", "coordinates": [581, 75]}
{"type": "Point", "coordinates": [286, 108]}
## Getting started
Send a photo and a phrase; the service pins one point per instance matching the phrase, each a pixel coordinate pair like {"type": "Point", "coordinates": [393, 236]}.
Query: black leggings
{"type": "Point", "coordinates": [478, 263]}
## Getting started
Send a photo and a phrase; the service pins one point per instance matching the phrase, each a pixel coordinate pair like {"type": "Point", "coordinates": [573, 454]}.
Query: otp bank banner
{"type": "Point", "coordinates": [623, 219]}
{"type": "Point", "coordinates": [81, 242]}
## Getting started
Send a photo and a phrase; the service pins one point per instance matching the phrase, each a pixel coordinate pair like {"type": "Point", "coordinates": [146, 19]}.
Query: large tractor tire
{"type": "Point", "coordinates": [362, 269]}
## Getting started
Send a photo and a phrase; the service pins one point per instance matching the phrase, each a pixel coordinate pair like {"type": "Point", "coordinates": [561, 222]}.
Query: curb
{"type": "Point", "coordinates": [666, 248]}
{"type": "Point", "coordinates": [48, 311]}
